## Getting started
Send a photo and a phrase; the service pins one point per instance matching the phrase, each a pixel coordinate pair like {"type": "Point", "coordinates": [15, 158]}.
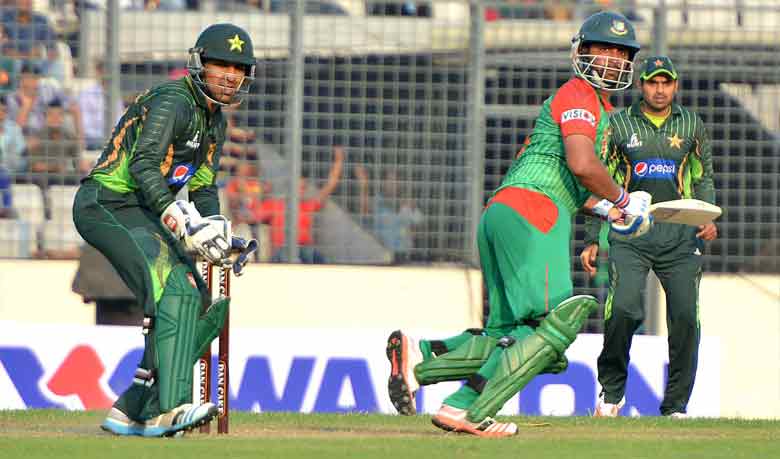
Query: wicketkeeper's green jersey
{"type": "Point", "coordinates": [166, 138]}
{"type": "Point", "coordinates": [673, 161]}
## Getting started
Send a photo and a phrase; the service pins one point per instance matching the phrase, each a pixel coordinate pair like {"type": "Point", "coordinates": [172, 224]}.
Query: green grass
{"type": "Point", "coordinates": [51, 433]}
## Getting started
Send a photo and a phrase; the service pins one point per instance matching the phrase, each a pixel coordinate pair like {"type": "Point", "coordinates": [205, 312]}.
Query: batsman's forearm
{"type": "Point", "coordinates": [596, 179]}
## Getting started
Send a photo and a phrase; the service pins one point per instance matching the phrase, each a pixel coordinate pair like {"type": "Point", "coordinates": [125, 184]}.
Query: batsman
{"type": "Point", "coordinates": [169, 137]}
{"type": "Point", "coordinates": [523, 239]}
{"type": "Point", "coordinates": [662, 148]}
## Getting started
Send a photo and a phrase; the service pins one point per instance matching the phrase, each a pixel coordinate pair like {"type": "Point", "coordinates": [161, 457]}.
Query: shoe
{"type": "Point", "coordinates": [608, 410]}
{"type": "Point", "coordinates": [678, 415]}
{"type": "Point", "coordinates": [404, 354]}
{"type": "Point", "coordinates": [118, 423]}
{"type": "Point", "coordinates": [454, 420]}
{"type": "Point", "coordinates": [179, 419]}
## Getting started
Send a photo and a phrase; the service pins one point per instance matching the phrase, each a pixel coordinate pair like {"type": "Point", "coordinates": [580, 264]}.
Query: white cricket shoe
{"type": "Point", "coordinates": [454, 419]}
{"type": "Point", "coordinates": [404, 354]}
{"type": "Point", "coordinates": [118, 423]}
{"type": "Point", "coordinates": [608, 410]}
{"type": "Point", "coordinates": [678, 415]}
{"type": "Point", "coordinates": [183, 417]}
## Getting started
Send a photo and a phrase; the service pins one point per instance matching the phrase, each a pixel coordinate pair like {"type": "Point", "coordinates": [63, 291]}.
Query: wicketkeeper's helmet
{"type": "Point", "coordinates": [226, 43]}
{"type": "Point", "coordinates": [610, 28]}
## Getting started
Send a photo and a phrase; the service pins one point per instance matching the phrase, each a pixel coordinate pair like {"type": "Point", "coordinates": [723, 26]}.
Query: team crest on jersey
{"type": "Point", "coordinates": [578, 114]}
{"type": "Point", "coordinates": [181, 173]}
{"type": "Point", "coordinates": [634, 141]}
{"type": "Point", "coordinates": [655, 168]}
{"type": "Point", "coordinates": [194, 142]}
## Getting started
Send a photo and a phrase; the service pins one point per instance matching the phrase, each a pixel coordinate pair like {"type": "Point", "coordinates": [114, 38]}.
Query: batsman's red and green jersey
{"type": "Point", "coordinates": [524, 233]}
{"type": "Point", "coordinates": [167, 138]}
{"type": "Point", "coordinates": [576, 108]}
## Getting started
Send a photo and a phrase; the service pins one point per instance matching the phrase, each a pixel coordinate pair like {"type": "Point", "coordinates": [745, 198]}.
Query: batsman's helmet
{"type": "Point", "coordinates": [227, 43]}
{"type": "Point", "coordinates": [610, 28]}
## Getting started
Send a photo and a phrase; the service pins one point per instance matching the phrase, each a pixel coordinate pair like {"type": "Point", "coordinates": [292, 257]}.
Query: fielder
{"type": "Point", "coordinates": [660, 147]}
{"type": "Point", "coordinates": [171, 136]}
{"type": "Point", "coordinates": [523, 240]}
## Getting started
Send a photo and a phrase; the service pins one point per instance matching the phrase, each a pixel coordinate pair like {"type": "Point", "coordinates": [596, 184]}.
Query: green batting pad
{"type": "Point", "coordinates": [460, 363]}
{"type": "Point", "coordinates": [525, 359]}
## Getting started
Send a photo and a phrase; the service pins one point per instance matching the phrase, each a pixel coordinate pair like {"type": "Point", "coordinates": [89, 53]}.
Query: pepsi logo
{"type": "Point", "coordinates": [181, 173]}
{"type": "Point", "coordinates": [655, 168]}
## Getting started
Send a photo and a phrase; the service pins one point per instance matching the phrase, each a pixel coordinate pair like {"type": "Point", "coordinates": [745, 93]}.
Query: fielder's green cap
{"type": "Point", "coordinates": [657, 65]}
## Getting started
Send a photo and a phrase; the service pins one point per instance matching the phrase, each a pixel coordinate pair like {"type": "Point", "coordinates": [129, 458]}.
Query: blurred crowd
{"type": "Point", "coordinates": [52, 131]}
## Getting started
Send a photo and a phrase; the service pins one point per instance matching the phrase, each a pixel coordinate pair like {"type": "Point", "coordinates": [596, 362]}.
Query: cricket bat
{"type": "Point", "coordinates": [691, 212]}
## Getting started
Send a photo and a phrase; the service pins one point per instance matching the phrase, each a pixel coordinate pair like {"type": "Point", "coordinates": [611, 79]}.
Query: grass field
{"type": "Point", "coordinates": [75, 434]}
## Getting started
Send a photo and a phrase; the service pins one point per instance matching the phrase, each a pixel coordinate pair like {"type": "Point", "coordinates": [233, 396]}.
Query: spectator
{"type": "Point", "coordinates": [391, 216]}
{"type": "Point", "coordinates": [30, 36]}
{"type": "Point", "coordinates": [9, 66]}
{"type": "Point", "coordinates": [27, 105]}
{"type": "Point", "coordinates": [240, 141]}
{"type": "Point", "coordinates": [92, 102]}
{"type": "Point", "coordinates": [12, 145]}
{"type": "Point", "coordinates": [244, 192]}
{"type": "Point", "coordinates": [53, 151]}
{"type": "Point", "coordinates": [272, 211]}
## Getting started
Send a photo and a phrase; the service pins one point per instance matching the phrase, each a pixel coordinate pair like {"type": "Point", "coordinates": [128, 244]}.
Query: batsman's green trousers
{"type": "Point", "coordinates": [523, 240]}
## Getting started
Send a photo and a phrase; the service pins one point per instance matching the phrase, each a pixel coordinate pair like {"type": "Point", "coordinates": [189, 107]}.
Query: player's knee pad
{"type": "Point", "coordinates": [537, 353]}
{"type": "Point", "coordinates": [460, 363]}
{"type": "Point", "coordinates": [209, 325]}
{"type": "Point", "coordinates": [174, 338]}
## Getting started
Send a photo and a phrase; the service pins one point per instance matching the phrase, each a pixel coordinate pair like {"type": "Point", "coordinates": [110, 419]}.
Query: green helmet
{"type": "Point", "coordinates": [226, 43]}
{"type": "Point", "coordinates": [610, 28]}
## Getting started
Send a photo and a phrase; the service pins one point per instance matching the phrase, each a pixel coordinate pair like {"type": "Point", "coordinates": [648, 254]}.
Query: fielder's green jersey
{"type": "Point", "coordinates": [166, 138]}
{"type": "Point", "coordinates": [673, 161]}
{"type": "Point", "coordinates": [576, 108]}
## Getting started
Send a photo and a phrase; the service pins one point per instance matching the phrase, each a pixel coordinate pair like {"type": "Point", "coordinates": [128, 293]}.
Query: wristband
{"type": "Point", "coordinates": [622, 200]}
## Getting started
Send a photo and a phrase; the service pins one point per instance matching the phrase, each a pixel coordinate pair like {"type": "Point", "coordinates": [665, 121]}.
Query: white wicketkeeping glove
{"type": "Point", "coordinates": [179, 216]}
{"type": "Point", "coordinates": [210, 237]}
{"type": "Point", "coordinates": [636, 216]}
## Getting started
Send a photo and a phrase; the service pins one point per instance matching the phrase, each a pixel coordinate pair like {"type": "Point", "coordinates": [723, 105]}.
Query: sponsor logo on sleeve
{"type": "Point", "coordinates": [578, 114]}
{"type": "Point", "coordinates": [655, 168]}
{"type": "Point", "coordinates": [181, 173]}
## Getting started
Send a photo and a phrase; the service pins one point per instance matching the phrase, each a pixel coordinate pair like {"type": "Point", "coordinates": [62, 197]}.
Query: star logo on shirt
{"type": "Point", "coordinates": [236, 43]}
{"type": "Point", "coordinates": [675, 142]}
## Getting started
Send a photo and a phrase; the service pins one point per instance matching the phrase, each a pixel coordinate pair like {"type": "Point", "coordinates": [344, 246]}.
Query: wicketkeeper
{"type": "Point", "coordinates": [169, 137]}
{"type": "Point", "coordinates": [660, 147]}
